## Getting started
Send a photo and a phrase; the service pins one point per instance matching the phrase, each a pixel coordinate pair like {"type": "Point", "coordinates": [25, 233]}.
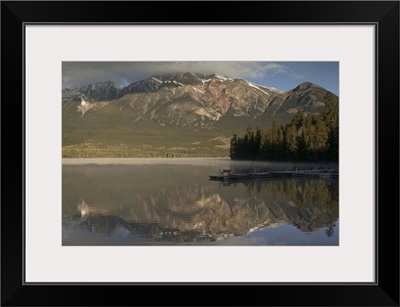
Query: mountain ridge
{"type": "Point", "coordinates": [205, 107]}
{"type": "Point", "coordinates": [153, 83]}
{"type": "Point", "coordinates": [306, 97]}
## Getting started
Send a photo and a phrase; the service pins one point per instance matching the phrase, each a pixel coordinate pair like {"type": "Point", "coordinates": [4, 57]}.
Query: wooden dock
{"type": "Point", "coordinates": [310, 173]}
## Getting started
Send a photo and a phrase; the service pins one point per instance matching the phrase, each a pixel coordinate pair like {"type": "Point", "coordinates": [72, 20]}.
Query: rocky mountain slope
{"type": "Point", "coordinates": [208, 105]}
{"type": "Point", "coordinates": [97, 92]}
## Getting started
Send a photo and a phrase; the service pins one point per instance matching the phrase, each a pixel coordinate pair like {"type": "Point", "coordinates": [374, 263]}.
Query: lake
{"type": "Point", "coordinates": [173, 202]}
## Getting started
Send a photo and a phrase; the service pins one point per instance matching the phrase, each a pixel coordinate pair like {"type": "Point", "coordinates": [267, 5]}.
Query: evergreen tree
{"type": "Point", "coordinates": [233, 147]}
{"type": "Point", "coordinates": [305, 138]}
{"type": "Point", "coordinates": [298, 119]}
{"type": "Point", "coordinates": [331, 117]}
{"type": "Point", "coordinates": [258, 142]}
{"type": "Point", "coordinates": [290, 142]}
{"type": "Point", "coordinates": [319, 139]}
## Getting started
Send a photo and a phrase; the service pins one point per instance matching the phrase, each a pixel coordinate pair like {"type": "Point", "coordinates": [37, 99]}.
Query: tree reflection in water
{"type": "Point", "coordinates": [207, 214]}
{"type": "Point", "coordinates": [309, 204]}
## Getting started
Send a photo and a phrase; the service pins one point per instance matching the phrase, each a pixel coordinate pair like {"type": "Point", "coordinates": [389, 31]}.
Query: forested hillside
{"type": "Point", "coordinates": [307, 137]}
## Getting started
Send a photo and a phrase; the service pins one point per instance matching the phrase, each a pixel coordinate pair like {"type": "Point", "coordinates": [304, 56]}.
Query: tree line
{"type": "Point", "coordinates": [307, 137]}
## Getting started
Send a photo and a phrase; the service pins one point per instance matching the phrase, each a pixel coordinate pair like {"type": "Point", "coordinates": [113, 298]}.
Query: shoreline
{"type": "Point", "coordinates": [211, 161]}
{"type": "Point", "coordinates": [137, 161]}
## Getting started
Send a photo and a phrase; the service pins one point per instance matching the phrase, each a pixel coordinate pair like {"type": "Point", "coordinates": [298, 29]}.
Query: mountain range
{"type": "Point", "coordinates": [181, 113]}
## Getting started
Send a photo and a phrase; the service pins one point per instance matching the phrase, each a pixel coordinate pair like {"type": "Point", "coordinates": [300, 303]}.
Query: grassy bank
{"type": "Point", "coordinates": [145, 151]}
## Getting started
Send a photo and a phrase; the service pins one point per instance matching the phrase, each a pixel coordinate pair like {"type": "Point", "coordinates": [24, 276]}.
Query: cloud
{"type": "Point", "coordinates": [123, 73]}
{"type": "Point", "coordinates": [299, 76]}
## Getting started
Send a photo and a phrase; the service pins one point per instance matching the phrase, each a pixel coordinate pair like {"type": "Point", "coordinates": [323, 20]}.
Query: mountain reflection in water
{"type": "Point", "coordinates": [180, 205]}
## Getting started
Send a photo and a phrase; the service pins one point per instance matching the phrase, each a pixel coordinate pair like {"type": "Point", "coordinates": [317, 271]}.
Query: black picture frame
{"type": "Point", "coordinates": [383, 14]}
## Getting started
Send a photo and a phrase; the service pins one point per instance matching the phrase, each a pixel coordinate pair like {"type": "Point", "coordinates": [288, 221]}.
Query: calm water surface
{"type": "Point", "coordinates": [172, 201]}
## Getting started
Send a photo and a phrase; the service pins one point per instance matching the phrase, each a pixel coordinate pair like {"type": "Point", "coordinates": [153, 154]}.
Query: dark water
{"type": "Point", "coordinates": [172, 201]}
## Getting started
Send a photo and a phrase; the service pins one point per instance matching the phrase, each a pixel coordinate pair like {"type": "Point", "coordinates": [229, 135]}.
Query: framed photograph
{"type": "Point", "coordinates": [254, 147]}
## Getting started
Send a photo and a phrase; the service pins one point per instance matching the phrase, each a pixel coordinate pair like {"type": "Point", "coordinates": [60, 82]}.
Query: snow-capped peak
{"type": "Point", "coordinates": [223, 78]}
{"type": "Point", "coordinates": [261, 88]}
{"type": "Point", "coordinates": [158, 80]}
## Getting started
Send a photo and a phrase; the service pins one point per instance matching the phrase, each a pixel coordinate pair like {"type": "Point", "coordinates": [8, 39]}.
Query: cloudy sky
{"type": "Point", "coordinates": [281, 75]}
